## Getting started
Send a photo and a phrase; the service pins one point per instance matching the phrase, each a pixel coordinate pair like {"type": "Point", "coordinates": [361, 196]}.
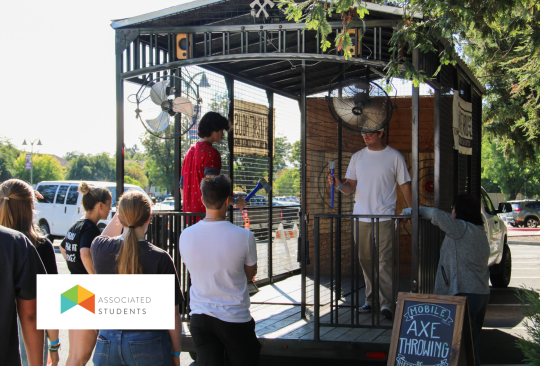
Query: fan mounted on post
{"type": "Point", "coordinates": [160, 100]}
{"type": "Point", "coordinates": [359, 105]}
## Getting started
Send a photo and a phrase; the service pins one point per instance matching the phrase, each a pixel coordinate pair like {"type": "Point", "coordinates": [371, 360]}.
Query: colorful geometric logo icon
{"type": "Point", "coordinates": [77, 295]}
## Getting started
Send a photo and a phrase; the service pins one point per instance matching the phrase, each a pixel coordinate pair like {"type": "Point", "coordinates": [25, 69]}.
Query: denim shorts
{"type": "Point", "coordinates": [133, 348]}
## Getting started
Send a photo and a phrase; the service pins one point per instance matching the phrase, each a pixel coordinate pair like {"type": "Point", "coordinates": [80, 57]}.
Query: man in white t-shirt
{"type": "Point", "coordinates": [374, 172]}
{"type": "Point", "coordinates": [220, 258]}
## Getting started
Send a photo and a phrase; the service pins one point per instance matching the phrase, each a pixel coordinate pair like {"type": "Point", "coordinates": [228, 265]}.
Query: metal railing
{"type": "Point", "coordinates": [164, 232]}
{"type": "Point", "coordinates": [345, 296]}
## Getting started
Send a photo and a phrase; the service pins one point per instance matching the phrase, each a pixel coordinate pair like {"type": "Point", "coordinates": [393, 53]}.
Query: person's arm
{"type": "Point", "coordinates": [348, 186]}
{"type": "Point", "coordinates": [86, 258]}
{"type": "Point", "coordinates": [407, 193]}
{"type": "Point", "coordinates": [32, 337]}
{"type": "Point", "coordinates": [240, 202]}
{"type": "Point", "coordinates": [53, 335]}
{"type": "Point", "coordinates": [176, 336]}
{"type": "Point", "coordinates": [63, 251]}
{"type": "Point", "coordinates": [114, 227]}
{"type": "Point", "coordinates": [454, 228]}
{"type": "Point", "coordinates": [251, 271]}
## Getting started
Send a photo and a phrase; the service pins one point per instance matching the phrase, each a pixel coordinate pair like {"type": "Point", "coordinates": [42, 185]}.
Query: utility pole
{"type": "Point", "coordinates": [32, 159]}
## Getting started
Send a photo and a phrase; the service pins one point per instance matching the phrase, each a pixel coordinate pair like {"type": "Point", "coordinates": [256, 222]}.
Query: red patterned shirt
{"type": "Point", "coordinates": [199, 156]}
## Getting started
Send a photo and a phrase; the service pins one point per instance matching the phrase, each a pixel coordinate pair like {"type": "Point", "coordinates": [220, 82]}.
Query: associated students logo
{"type": "Point", "coordinates": [78, 295]}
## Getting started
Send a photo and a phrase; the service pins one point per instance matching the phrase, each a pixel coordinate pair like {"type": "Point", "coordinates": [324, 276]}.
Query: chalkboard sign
{"type": "Point", "coordinates": [431, 330]}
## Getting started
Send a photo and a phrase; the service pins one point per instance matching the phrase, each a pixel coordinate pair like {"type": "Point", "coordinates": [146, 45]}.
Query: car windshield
{"type": "Point", "coordinates": [515, 206]}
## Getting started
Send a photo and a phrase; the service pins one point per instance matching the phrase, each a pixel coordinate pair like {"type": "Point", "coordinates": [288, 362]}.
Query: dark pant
{"type": "Point", "coordinates": [477, 311]}
{"type": "Point", "coordinates": [218, 342]}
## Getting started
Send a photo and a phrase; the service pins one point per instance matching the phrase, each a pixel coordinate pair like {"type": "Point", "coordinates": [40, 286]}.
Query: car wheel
{"type": "Point", "coordinates": [101, 228]}
{"type": "Point", "coordinates": [531, 222]}
{"type": "Point", "coordinates": [44, 227]}
{"type": "Point", "coordinates": [501, 274]}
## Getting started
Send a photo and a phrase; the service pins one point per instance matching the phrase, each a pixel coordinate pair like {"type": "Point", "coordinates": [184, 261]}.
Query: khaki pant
{"type": "Point", "coordinates": [385, 260]}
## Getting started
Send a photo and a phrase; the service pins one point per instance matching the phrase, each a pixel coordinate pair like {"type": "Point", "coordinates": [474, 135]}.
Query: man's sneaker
{"type": "Point", "coordinates": [387, 313]}
{"type": "Point", "coordinates": [364, 309]}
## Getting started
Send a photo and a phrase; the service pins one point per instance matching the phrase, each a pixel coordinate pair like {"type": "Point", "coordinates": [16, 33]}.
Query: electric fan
{"type": "Point", "coordinates": [359, 105]}
{"type": "Point", "coordinates": [161, 99]}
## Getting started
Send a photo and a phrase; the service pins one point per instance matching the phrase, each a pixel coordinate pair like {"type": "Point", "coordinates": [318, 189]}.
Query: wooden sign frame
{"type": "Point", "coordinates": [462, 351]}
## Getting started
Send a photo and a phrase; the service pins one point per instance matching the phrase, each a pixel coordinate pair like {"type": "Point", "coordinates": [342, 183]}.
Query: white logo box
{"type": "Point", "coordinates": [136, 302]}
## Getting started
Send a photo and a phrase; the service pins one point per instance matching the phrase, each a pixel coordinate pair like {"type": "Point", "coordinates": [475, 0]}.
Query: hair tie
{"type": "Point", "coordinates": [6, 198]}
{"type": "Point", "coordinates": [131, 227]}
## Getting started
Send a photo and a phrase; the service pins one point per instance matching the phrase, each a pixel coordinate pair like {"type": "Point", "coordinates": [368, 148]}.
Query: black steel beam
{"type": "Point", "coordinates": [268, 27]}
{"type": "Point", "coordinates": [303, 195]}
{"type": "Point", "coordinates": [251, 56]}
{"type": "Point", "coordinates": [230, 137]}
{"type": "Point", "coordinates": [437, 148]}
{"type": "Point", "coordinates": [177, 146]}
{"type": "Point", "coordinates": [270, 97]}
{"type": "Point", "coordinates": [414, 183]}
{"type": "Point", "coordinates": [119, 125]}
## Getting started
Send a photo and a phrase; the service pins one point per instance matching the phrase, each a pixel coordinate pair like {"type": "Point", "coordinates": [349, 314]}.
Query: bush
{"type": "Point", "coordinates": [530, 302]}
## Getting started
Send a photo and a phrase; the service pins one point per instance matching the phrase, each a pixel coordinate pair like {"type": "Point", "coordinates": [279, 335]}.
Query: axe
{"type": "Point", "coordinates": [260, 185]}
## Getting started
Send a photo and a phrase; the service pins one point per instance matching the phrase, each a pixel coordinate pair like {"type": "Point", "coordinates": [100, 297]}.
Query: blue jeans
{"type": "Point", "coordinates": [133, 348]}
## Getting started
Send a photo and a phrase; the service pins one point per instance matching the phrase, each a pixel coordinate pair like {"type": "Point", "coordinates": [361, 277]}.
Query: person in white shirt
{"type": "Point", "coordinates": [220, 258]}
{"type": "Point", "coordinates": [375, 172]}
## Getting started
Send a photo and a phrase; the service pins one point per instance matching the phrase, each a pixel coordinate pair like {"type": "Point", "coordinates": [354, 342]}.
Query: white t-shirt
{"type": "Point", "coordinates": [215, 253]}
{"type": "Point", "coordinates": [377, 173]}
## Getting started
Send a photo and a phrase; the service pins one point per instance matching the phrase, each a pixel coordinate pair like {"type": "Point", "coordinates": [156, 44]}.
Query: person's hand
{"type": "Point", "coordinates": [55, 358]}
{"type": "Point", "coordinates": [406, 211]}
{"type": "Point", "coordinates": [333, 180]}
{"type": "Point", "coordinates": [175, 360]}
{"type": "Point", "coordinates": [241, 203]}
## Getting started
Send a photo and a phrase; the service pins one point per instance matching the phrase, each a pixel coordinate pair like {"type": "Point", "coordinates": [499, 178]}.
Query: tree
{"type": "Point", "coordinates": [129, 180]}
{"type": "Point", "coordinates": [288, 183]}
{"type": "Point", "coordinates": [46, 167]}
{"type": "Point", "coordinates": [8, 155]}
{"type": "Point", "coordinates": [135, 171]}
{"type": "Point", "coordinates": [296, 154]}
{"type": "Point", "coordinates": [509, 173]}
{"type": "Point", "coordinates": [99, 167]}
{"type": "Point", "coordinates": [282, 154]}
{"type": "Point", "coordinates": [160, 161]}
{"type": "Point", "coordinates": [499, 39]}
{"type": "Point", "coordinates": [133, 153]}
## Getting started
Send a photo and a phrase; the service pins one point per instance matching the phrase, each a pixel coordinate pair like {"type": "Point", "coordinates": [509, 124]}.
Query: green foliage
{"type": "Point", "coordinates": [509, 172]}
{"type": "Point", "coordinates": [46, 167]}
{"type": "Point", "coordinates": [160, 161]}
{"type": "Point", "coordinates": [288, 183]}
{"type": "Point", "coordinates": [500, 41]}
{"type": "Point", "coordinates": [315, 15]}
{"type": "Point", "coordinates": [135, 171]}
{"type": "Point", "coordinates": [133, 153]}
{"type": "Point", "coordinates": [8, 155]}
{"type": "Point", "coordinates": [129, 180]}
{"type": "Point", "coordinates": [282, 155]}
{"type": "Point", "coordinates": [531, 310]}
{"type": "Point", "coordinates": [99, 167]}
{"type": "Point", "coordinates": [296, 154]}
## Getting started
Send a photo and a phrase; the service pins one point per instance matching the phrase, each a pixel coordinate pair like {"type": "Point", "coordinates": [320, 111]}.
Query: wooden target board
{"type": "Point", "coordinates": [431, 330]}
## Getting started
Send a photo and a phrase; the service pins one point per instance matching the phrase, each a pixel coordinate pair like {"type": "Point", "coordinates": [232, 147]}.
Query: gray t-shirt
{"type": "Point", "coordinates": [19, 265]}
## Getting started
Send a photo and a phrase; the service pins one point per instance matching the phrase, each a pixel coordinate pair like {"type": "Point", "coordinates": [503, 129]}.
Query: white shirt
{"type": "Point", "coordinates": [377, 174]}
{"type": "Point", "coordinates": [215, 253]}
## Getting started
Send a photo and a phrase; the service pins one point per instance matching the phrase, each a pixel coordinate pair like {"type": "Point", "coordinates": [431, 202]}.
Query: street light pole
{"type": "Point", "coordinates": [32, 158]}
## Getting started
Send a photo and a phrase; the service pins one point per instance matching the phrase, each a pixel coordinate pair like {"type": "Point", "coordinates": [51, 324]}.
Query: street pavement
{"type": "Point", "coordinates": [503, 326]}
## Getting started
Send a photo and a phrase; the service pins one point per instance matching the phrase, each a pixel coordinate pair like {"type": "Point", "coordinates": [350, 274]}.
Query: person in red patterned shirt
{"type": "Point", "coordinates": [202, 160]}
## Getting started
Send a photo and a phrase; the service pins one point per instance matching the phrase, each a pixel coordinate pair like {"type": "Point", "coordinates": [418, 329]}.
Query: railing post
{"type": "Point", "coordinates": [316, 282]}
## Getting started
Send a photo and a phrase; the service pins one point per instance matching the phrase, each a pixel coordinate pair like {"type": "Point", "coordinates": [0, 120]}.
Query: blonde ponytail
{"type": "Point", "coordinates": [134, 210]}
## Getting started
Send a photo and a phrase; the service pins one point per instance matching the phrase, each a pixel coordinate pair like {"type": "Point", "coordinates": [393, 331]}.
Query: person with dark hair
{"type": "Point", "coordinates": [220, 258]}
{"type": "Point", "coordinates": [202, 160]}
{"type": "Point", "coordinates": [115, 252]}
{"type": "Point", "coordinates": [463, 265]}
{"type": "Point", "coordinates": [17, 212]}
{"type": "Point", "coordinates": [75, 249]}
{"type": "Point", "coordinates": [19, 265]}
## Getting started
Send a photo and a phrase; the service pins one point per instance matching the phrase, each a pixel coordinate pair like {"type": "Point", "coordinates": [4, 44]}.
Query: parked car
{"type": "Point", "coordinates": [256, 217]}
{"type": "Point", "coordinates": [500, 257]}
{"type": "Point", "coordinates": [61, 205]}
{"type": "Point", "coordinates": [525, 213]}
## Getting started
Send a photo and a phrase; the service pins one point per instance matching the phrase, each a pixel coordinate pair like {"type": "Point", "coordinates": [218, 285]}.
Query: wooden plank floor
{"type": "Point", "coordinates": [276, 311]}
